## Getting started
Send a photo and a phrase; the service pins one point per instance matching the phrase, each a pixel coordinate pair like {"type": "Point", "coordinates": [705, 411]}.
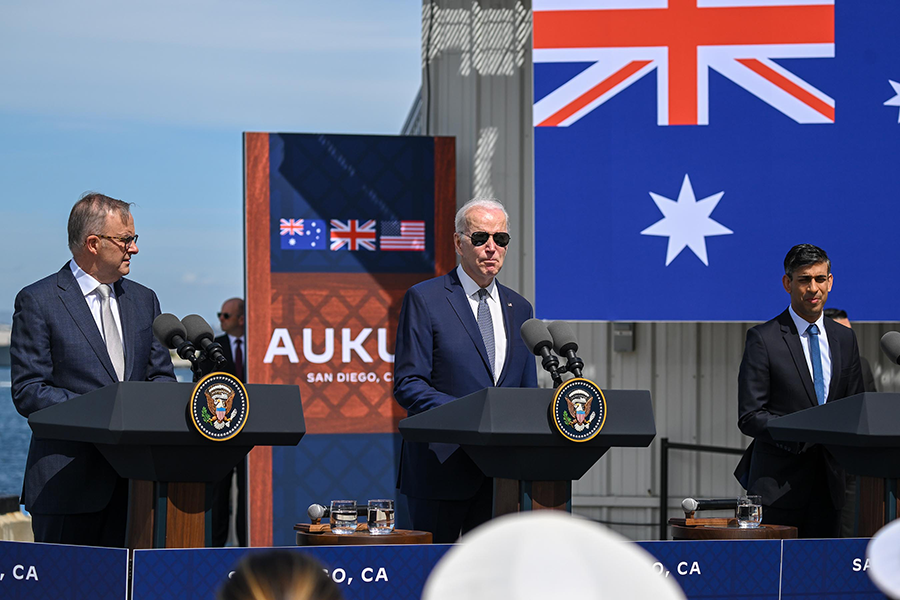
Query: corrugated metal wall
{"type": "Point", "coordinates": [477, 86]}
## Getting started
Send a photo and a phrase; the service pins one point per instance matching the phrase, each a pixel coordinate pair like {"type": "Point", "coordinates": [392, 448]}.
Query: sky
{"type": "Point", "coordinates": [146, 102]}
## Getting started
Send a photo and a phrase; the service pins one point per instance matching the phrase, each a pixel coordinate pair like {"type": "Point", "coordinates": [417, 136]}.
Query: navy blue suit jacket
{"type": "Point", "coordinates": [439, 357]}
{"type": "Point", "coordinates": [774, 380]}
{"type": "Point", "coordinates": [57, 353]}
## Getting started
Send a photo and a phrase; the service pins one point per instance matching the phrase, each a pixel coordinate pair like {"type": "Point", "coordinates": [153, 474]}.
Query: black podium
{"type": "Point", "coordinates": [862, 432]}
{"type": "Point", "coordinates": [508, 433]}
{"type": "Point", "coordinates": [144, 430]}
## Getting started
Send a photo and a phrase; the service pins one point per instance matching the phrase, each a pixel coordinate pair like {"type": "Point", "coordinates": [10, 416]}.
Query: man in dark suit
{"type": "Point", "coordinates": [457, 334]}
{"type": "Point", "coordinates": [231, 320]}
{"type": "Point", "coordinates": [73, 332]}
{"type": "Point", "coordinates": [798, 360]}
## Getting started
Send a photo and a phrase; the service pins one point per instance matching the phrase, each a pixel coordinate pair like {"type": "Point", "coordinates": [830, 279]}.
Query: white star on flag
{"type": "Point", "coordinates": [895, 101]}
{"type": "Point", "coordinates": [686, 222]}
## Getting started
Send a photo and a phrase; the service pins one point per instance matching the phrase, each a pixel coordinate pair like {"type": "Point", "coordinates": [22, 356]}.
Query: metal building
{"type": "Point", "coordinates": [477, 87]}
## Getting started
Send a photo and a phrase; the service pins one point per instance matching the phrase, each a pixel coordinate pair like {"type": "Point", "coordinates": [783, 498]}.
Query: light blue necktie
{"type": "Point", "coordinates": [486, 326]}
{"type": "Point", "coordinates": [815, 356]}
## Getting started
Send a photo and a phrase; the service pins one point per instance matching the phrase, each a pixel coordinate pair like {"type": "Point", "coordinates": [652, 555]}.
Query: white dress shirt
{"type": "Point", "coordinates": [824, 349]}
{"type": "Point", "coordinates": [89, 287]}
{"type": "Point", "coordinates": [493, 301]}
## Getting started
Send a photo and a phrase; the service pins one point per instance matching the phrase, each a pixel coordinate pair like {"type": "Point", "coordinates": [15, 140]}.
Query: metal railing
{"type": "Point", "coordinates": [664, 447]}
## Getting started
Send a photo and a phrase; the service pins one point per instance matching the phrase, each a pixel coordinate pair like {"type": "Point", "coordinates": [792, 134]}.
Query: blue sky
{"type": "Point", "coordinates": [146, 102]}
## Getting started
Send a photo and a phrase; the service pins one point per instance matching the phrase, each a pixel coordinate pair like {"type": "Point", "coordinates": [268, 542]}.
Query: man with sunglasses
{"type": "Point", "coordinates": [458, 334]}
{"type": "Point", "coordinates": [78, 330]}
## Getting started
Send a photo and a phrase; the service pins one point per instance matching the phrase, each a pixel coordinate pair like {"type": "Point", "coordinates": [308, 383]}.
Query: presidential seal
{"type": "Point", "coordinates": [578, 409]}
{"type": "Point", "coordinates": [219, 406]}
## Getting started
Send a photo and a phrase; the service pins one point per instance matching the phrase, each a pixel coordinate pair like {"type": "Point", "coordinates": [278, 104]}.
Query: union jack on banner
{"type": "Point", "coordinates": [682, 40]}
{"type": "Point", "coordinates": [403, 235]}
{"type": "Point", "coordinates": [353, 236]}
{"type": "Point", "coordinates": [291, 226]}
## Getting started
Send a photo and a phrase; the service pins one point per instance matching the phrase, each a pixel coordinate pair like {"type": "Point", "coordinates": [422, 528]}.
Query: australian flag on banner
{"type": "Point", "coordinates": [682, 147]}
{"type": "Point", "coordinates": [331, 197]}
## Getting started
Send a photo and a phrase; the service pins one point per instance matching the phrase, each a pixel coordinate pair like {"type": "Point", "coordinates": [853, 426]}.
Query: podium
{"type": "Point", "coordinates": [144, 431]}
{"type": "Point", "coordinates": [862, 432]}
{"type": "Point", "coordinates": [508, 434]}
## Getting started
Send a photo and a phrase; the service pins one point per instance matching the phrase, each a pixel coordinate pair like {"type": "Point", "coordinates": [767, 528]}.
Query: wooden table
{"type": "Point", "coordinates": [680, 531]}
{"type": "Point", "coordinates": [362, 538]}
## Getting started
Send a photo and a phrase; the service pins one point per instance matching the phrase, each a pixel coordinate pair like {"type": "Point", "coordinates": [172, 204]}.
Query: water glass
{"type": "Point", "coordinates": [749, 511]}
{"type": "Point", "coordinates": [381, 516]}
{"type": "Point", "coordinates": [343, 516]}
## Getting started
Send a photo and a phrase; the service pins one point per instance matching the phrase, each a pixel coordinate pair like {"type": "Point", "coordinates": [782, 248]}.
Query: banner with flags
{"type": "Point", "coordinates": [338, 227]}
{"type": "Point", "coordinates": [682, 145]}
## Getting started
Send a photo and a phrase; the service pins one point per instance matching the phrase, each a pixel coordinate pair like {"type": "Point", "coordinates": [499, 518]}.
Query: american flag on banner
{"type": "Point", "coordinates": [692, 143]}
{"type": "Point", "coordinates": [350, 235]}
{"type": "Point", "coordinates": [403, 235]}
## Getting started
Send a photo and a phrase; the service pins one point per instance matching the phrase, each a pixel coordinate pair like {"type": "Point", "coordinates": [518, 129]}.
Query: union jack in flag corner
{"type": "Point", "coordinates": [694, 142]}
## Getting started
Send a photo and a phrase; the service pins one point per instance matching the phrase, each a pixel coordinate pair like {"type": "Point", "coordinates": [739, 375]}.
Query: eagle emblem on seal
{"type": "Point", "coordinates": [219, 406]}
{"type": "Point", "coordinates": [579, 403]}
{"type": "Point", "coordinates": [219, 400]}
{"type": "Point", "coordinates": [578, 409]}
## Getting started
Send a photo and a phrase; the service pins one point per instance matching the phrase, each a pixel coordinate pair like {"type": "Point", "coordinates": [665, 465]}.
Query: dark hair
{"type": "Point", "coordinates": [835, 313]}
{"type": "Point", "coordinates": [88, 217]}
{"type": "Point", "coordinates": [279, 575]}
{"type": "Point", "coordinates": [804, 255]}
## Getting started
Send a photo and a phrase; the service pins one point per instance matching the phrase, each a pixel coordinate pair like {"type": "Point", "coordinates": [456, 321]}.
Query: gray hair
{"type": "Point", "coordinates": [486, 203]}
{"type": "Point", "coordinates": [88, 217]}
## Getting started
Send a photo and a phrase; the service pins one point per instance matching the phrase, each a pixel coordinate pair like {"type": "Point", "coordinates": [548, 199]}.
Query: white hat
{"type": "Point", "coordinates": [883, 554]}
{"type": "Point", "coordinates": [547, 554]}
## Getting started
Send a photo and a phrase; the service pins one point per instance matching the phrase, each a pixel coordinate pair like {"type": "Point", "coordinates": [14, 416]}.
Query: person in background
{"type": "Point", "coordinates": [279, 575]}
{"type": "Point", "coordinates": [231, 320]}
{"type": "Point", "coordinates": [457, 334]}
{"type": "Point", "coordinates": [848, 514]}
{"type": "Point", "coordinates": [798, 360]}
{"type": "Point", "coordinates": [76, 331]}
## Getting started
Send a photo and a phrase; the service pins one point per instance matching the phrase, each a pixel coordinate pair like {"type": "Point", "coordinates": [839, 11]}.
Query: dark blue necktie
{"type": "Point", "coordinates": [815, 356]}
{"type": "Point", "coordinates": [486, 325]}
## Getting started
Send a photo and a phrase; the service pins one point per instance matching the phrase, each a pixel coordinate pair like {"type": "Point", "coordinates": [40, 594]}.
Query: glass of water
{"type": "Point", "coordinates": [749, 511]}
{"type": "Point", "coordinates": [381, 516]}
{"type": "Point", "coordinates": [343, 516]}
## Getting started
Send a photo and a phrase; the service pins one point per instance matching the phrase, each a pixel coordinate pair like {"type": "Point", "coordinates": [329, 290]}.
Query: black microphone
{"type": "Point", "coordinates": [319, 511]}
{"type": "Point", "coordinates": [201, 334]}
{"type": "Point", "coordinates": [689, 505]}
{"type": "Point", "coordinates": [565, 344]}
{"type": "Point", "coordinates": [890, 345]}
{"type": "Point", "coordinates": [537, 338]}
{"type": "Point", "coordinates": [171, 334]}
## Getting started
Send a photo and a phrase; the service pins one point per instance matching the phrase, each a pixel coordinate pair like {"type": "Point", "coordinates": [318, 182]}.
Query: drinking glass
{"type": "Point", "coordinates": [381, 516]}
{"type": "Point", "coordinates": [749, 511]}
{"type": "Point", "coordinates": [343, 516]}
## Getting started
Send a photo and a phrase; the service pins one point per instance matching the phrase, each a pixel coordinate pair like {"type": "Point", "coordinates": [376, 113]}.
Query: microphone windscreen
{"type": "Point", "coordinates": [563, 337]}
{"type": "Point", "coordinates": [197, 329]}
{"type": "Point", "coordinates": [536, 335]}
{"type": "Point", "coordinates": [689, 505]}
{"type": "Point", "coordinates": [315, 511]}
{"type": "Point", "coordinates": [890, 345]}
{"type": "Point", "coordinates": [165, 327]}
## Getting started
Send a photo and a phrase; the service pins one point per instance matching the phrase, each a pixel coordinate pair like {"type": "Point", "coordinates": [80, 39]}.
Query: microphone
{"type": "Point", "coordinates": [201, 334]}
{"type": "Point", "coordinates": [689, 505]}
{"type": "Point", "coordinates": [890, 345]}
{"type": "Point", "coordinates": [565, 344]}
{"type": "Point", "coordinates": [538, 339]}
{"type": "Point", "coordinates": [318, 511]}
{"type": "Point", "coordinates": [171, 334]}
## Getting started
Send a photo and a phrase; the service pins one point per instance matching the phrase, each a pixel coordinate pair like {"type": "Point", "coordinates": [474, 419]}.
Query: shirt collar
{"type": "Point", "coordinates": [802, 324]}
{"type": "Point", "coordinates": [469, 285]}
{"type": "Point", "coordinates": [86, 282]}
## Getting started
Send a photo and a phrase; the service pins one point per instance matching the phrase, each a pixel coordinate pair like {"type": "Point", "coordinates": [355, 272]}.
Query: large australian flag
{"type": "Point", "coordinates": [682, 147]}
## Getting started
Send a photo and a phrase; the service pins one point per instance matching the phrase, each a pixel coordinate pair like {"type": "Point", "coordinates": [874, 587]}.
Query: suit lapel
{"type": "Point", "coordinates": [72, 298]}
{"type": "Point", "coordinates": [460, 304]}
{"type": "Point", "coordinates": [835, 348]}
{"type": "Point", "coordinates": [127, 317]}
{"type": "Point", "coordinates": [792, 339]}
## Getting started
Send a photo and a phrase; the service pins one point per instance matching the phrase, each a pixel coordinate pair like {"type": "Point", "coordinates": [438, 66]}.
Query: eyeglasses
{"type": "Point", "coordinates": [222, 315]}
{"type": "Point", "coordinates": [480, 238]}
{"type": "Point", "coordinates": [131, 239]}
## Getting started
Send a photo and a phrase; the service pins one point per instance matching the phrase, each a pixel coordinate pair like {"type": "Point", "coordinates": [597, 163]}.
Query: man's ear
{"type": "Point", "coordinates": [786, 282]}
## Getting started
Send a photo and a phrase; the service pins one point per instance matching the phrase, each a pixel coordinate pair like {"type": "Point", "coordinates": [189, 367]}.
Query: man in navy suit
{"type": "Point", "coordinates": [457, 334]}
{"type": "Point", "coordinates": [78, 330]}
{"type": "Point", "coordinates": [798, 360]}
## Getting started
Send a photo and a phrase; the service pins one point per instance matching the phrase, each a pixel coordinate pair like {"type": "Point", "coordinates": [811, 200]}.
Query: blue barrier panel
{"type": "Point", "coordinates": [362, 572]}
{"type": "Point", "coordinates": [55, 572]}
{"type": "Point", "coordinates": [720, 568]}
{"type": "Point", "coordinates": [826, 569]}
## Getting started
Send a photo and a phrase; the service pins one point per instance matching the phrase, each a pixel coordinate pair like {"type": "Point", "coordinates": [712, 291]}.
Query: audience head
{"type": "Point", "coordinates": [279, 575]}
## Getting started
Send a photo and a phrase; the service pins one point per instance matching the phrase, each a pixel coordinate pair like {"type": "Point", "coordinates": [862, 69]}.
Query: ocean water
{"type": "Point", "coordinates": [15, 435]}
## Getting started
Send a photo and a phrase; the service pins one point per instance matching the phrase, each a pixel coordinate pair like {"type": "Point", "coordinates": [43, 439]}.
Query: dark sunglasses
{"type": "Point", "coordinates": [480, 238]}
{"type": "Point", "coordinates": [224, 315]}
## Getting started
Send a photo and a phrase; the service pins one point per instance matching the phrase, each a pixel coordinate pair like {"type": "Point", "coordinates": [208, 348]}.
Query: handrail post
{"type": "Point", "coordinates": [663, 486]}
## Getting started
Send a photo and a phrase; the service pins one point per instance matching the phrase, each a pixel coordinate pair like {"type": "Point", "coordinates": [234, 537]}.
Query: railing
{"type": "Point", "coordinates": [664, 447]}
